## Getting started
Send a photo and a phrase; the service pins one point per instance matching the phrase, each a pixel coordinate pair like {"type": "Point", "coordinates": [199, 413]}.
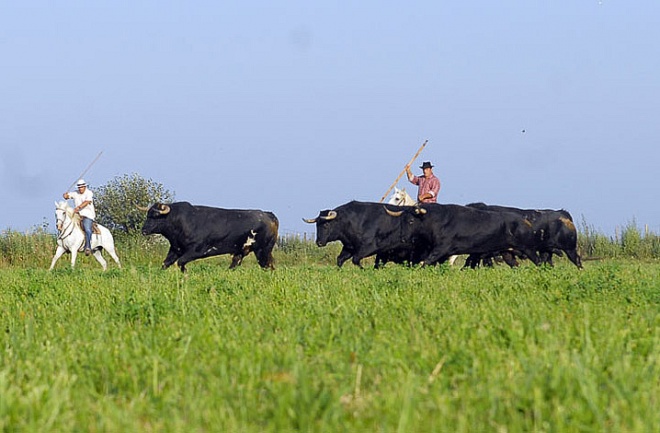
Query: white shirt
{"type": "Point", "coordinates": [88, 211]}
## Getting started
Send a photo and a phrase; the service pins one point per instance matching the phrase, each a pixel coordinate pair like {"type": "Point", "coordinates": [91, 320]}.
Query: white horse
{"type": "Point", "coordinates": [401, 198]}
{"type": "Point", "coordinates": [71, 237]}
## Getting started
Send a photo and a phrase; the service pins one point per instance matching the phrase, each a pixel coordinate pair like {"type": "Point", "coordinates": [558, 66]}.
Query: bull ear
{"type": "Point", "coordinates": [310, 220]}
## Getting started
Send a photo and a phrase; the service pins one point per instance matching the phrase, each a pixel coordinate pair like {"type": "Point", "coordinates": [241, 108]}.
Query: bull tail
{"type": "Point", "coordinates": [273, 226]}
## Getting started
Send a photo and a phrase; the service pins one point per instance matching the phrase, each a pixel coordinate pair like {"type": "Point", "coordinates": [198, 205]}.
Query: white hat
{"type": "Point", "coordinates": [81, 182]}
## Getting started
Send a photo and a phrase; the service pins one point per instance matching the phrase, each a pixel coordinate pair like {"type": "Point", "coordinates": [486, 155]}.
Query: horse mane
{"type": "Point", "coordinates": [69, 211]}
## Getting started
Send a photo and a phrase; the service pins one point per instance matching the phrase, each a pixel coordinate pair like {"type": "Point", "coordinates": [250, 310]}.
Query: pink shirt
{"type": "Point", "coordinates": [429, 185]}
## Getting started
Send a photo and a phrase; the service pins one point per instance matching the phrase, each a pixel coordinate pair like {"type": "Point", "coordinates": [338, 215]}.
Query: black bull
{"type": "Point", "coordinates": [196, 232]}
{"type": "Point", "coordinates": [431, 231]}
{"type": "Point", "coordinates": [554, 233]}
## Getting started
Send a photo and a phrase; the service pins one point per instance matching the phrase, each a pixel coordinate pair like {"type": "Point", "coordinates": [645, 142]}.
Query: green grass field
{"type": "Point", "coordinates": [310, 347]}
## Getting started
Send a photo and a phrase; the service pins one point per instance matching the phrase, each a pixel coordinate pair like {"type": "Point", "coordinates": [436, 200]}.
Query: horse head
{"type": "Point", "coordinates": [63, 212]}
{"type": "Point", "coordinates": [401, 198]}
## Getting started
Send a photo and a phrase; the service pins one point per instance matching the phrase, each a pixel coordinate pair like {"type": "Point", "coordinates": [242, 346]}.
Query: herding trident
{"type": "Point", "coordinates": [86, 170]}
{"type": "Point", "coordinates": [404, 170]}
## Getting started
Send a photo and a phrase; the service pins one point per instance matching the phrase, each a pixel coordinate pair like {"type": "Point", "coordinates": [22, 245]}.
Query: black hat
{"type": "Point", "coordinates": [426, 164]}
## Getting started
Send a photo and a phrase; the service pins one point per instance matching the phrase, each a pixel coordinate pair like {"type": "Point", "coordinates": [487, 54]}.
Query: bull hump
{"type": "Point", "coordinates": [568, 223]}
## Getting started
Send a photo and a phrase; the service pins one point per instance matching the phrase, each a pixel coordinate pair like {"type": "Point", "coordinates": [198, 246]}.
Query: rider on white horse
{"type": "Point", "coordinates": [84, 201]}
{"type": "Point", "coordinates": [71, 237]}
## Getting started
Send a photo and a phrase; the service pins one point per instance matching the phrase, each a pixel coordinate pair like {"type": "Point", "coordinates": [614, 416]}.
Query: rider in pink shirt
{"type": "Point", "coordinates": [429, 184]}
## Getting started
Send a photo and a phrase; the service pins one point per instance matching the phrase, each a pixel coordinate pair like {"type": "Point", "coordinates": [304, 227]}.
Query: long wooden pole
{"type": "Point", "coordinates": [403, 171]}
{"type": "Point", "coordinates": [86, 170]}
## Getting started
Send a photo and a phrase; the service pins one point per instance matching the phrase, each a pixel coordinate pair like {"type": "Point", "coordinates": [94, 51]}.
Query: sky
{"type": "Point", "coordinates": [298, 106]}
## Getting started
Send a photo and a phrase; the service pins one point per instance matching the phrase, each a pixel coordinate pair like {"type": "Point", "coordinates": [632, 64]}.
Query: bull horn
{"type": "Point", "coordinates": [142, 209]}
{"type": "Point", "coordinates": [164, 209]}
{"type": "Point", "coordinates": [420, 211]}
{"type": "Point", "coordinates": [331, 215]}
{"type": "Point", "coordinates": [392, 213]}
{"type": "Point", "coordinates": [310, 220]}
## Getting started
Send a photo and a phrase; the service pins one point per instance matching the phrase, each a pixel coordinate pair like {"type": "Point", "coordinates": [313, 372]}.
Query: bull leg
{"type": "Point", "coordinates": [172, 256]}
{"type": "Point", "coordinates": [56, 257]}
{"type": "Point", "coordinates": [433, 257]}
{"type": "Point", "coordinates": [186, 258]}
{"type": "Point", "coordinates": [472, 261]}
{"type": "Point", "coordinates": [533, 256]}
{"type": "Point", "coordinates": [344, 255]}
{"type": "Point", "coordinates": [509, 259]}
{"type": "Point", "coordinates": [546, 257]}
{"type": "Point", "coordinates": [356, 261]}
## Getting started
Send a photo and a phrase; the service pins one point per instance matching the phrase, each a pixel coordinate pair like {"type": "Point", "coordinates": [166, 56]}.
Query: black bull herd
{"type": "Point", "coordinates": [424, 234]}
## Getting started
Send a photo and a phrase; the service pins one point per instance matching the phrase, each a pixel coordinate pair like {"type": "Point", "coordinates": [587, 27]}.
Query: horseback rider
{"type": "Point", "coordinates": [84, 201]}
{"type": "Point", "coordinates": [429, 184]}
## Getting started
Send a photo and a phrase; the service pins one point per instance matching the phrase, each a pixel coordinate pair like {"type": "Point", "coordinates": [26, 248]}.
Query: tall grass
{"type": "Point", "coordinates": [317, 348]}
{"type": "Point", "coordinates": [310, 347]}
{"type": "Point", "coordinates": [37, 246]}
{"type": "Point", "coordinates": [628, 241]}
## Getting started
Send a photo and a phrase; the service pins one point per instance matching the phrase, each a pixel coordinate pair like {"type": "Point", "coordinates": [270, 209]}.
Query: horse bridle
{"type": "Point", "coordinates": [64, 229]}
{"type": "Point", "coordinates": [400, 199]}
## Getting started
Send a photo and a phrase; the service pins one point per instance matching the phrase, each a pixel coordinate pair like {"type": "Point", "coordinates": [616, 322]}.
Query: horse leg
{"type": "Point", "coordinates": [114, 256]}
{"type": "Point", "coordinates": [74, 254]}
{"type": "Point", "coordinates": [58, 254]}
{"type": "Point", "coordinates": [99, 258]}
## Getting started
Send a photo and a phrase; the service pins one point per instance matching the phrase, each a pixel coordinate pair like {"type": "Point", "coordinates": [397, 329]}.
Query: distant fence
{"type": "Point", "coordinates": [288, 238]}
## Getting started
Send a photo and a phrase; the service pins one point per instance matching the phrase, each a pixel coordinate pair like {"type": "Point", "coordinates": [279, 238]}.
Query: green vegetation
{"type": "Point", "coordinates": [310, 347]}
{"type": "Point", "coordinates": [112, 198]}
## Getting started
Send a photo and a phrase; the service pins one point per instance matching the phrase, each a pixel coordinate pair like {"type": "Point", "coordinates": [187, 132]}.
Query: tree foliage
{"type": "Point", "coordinates": [117, 201]}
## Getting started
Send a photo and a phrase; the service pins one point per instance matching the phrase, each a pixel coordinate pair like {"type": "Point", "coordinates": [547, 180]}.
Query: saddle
{"type": "Point", "coordinates": [95, 227]}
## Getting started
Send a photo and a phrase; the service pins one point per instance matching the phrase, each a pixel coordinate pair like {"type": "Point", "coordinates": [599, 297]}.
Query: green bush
{"type": "Point", "coordinates": [117, 201]}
